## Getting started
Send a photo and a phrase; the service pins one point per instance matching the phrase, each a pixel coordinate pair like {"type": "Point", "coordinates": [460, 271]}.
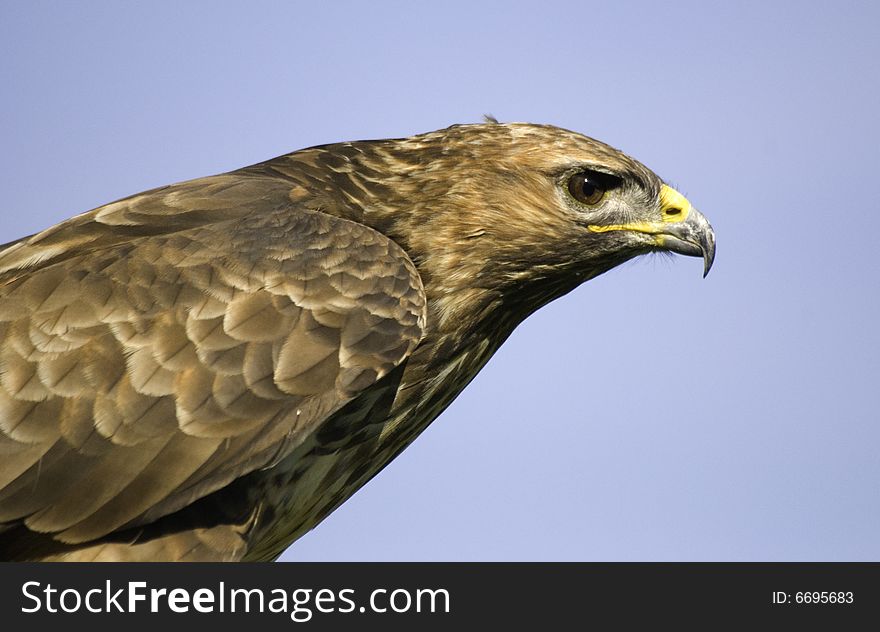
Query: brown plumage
{"type": "Point", "coordinates": [204, 371]}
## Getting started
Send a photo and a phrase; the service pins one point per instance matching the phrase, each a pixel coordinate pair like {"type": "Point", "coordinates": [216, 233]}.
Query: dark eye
{"type": "Point", "coordinates": [586, 188]}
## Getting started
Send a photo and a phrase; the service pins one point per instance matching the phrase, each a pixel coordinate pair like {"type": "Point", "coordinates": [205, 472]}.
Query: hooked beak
{"type": "Point", "coordinates": [693, 237]}
{"type": "Point", "coordinates": [681, 229]}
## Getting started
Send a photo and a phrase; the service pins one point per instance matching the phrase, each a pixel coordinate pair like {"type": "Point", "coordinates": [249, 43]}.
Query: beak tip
{"type": "Point", "coordinates": [708, 260]}
{"type": "Point", "coordinates": [707, 245]}
{"type": "Point", "coordinates": [707, 265]}
{"type": "Point", "coordinates": [709, 257]}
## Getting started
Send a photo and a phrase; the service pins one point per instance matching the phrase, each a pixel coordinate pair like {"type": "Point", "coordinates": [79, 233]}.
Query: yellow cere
{"type": "Point", "coordinates": [674, 207]}
{"type": "Point", "coordinates": [671, 201]}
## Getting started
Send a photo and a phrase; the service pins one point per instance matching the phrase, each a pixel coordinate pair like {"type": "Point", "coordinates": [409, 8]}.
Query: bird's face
{"type": "Point", "coordinates": [634, 215]}
{"type": "Point", "coordinates": [551, 200]}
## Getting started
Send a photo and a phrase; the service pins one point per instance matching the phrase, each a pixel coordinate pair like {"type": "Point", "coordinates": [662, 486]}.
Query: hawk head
{"type": "Point", "coordinates": [521, 211]}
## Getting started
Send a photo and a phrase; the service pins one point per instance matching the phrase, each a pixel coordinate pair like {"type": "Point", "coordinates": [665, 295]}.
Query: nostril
{"type": "Point", "coordinates": [671, 212]}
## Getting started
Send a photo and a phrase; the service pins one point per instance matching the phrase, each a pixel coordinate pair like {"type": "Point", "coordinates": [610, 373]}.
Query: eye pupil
{"type": "Point", "coordinates": [585, 189]}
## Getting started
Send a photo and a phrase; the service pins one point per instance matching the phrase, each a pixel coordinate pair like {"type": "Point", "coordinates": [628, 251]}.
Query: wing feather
{"type": "Point", "coordinates": [157, 348]}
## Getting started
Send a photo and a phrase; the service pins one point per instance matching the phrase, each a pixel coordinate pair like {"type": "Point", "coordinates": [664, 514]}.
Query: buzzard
{"type": "Point", "coordinates": [205, 370]}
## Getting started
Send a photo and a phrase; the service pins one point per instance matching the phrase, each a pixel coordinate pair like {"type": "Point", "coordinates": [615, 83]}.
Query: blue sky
{"type": "Point", "coordinates": [651, 414]}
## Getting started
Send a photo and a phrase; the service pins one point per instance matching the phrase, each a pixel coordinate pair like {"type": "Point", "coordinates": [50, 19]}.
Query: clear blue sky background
{"type": "Point", "coordinates": [650, 415]}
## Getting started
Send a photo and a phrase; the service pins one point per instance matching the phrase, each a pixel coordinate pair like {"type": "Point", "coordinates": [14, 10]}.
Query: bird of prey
{"type": "Point", "coordinates": [206, 370]}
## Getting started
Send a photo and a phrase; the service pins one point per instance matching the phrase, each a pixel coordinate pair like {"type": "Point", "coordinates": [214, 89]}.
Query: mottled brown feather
{"type": "Point", "coordinates": [181, 350]}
